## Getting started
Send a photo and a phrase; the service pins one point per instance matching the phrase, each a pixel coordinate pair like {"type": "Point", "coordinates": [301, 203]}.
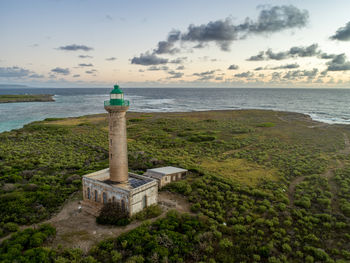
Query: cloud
{"type": "Point", "coordinates": [85, 65]}
{"type": "Point", "coordinates": [338, 63]}
{"type": "Point", "coordinates": [324, 55]}
{"type": "Point", "coordinates": [308, 51]}
{"type": "Point", "coordinates": [167, 47]}
{"type": "Point", "coordinates": [75, 47]}
{"type": "Point", "coordinates": [175, 75]}
{"type": "Point", "coordinates": [178, 60]}
{"type": "Point", "coordinates": [148, 59]}
{"type": "Point", "coordinates": [259, 68]}
{"type": "Point", "coordinates": [91, 71]}
{"type": "Point", "coordinates": [85, 56]}
{"type": "Point", "coordinates": [180, 67]}
{"type": "Point", "coordinates": [204, 73]}
{"type": "Point", "coordinates": [258, 57]}
{"type": "Point", "coordinates": [276, 56]}
{"type": "Point", "coordinates": [342, 34]}
{"type": "Point", "coordinates": [111, 59]}
{"type": "Point", "coordinates": [279, 18]}
{"type": "Point", "coordinates": [13, 72]}
{"type": "Point", "coordinates": [287, 66]}
{"type": "Point", "coordinates": [76, 76]}
{"type": "Point", "coordinates": [155, 68]}
{"type": "Point", "coordinates": [297, 74]}
{"type": "Point", "coordinates": [233, 67]}
{"type": "Point", "coordinates": [224, 32]}
{"type": "Point", "coordinates": [247, 74]}
{"type": "Point", "coordinates": [36, 76]}
{"type": "Point", "coordinates": [62, 71]}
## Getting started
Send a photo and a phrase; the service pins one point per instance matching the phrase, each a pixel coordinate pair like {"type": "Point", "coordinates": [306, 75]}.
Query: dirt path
{"type": "Point", "coordinates": [75, 228]}
{"type": "Point", "coordinates": [329, 174]}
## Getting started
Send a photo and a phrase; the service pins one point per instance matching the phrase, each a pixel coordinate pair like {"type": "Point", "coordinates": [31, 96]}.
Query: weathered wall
{"type": "Point", "coordinates": [145, 196]}
{"type": "Point", "coordinates": [112, 194]}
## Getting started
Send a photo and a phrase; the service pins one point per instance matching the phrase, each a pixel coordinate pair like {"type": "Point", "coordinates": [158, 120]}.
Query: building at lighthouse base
{"type": "Point", "coordinates": [135, 195]}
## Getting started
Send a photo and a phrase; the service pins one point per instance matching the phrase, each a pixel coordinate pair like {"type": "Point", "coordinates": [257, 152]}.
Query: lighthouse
{"type": "Point", "coordinates": [115, 184]}
{"type": "Point", "coordinates": [116, 107]}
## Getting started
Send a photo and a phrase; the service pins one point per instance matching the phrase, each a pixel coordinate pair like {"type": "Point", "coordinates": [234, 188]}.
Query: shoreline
{"type": "Point", "coordinates": [304, 115]}
{"type": "Point", "coordinates": [14, 98]}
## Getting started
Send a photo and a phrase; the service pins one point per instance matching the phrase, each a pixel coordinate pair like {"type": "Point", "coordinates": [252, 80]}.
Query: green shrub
{"type": "Point", "coordinates": [113, 214]}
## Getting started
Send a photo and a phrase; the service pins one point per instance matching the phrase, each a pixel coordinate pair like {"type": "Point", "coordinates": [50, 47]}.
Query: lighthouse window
{"type": "Point", "coordinates": [116, 96]}
{"type": "Point", "coordinates": [123, 205]}
{"type": "Point", "coordinates": [88, 193]}
{"type": "Point", "coordinates": [95, 195]}
{"type": "Point", "coordinates": [111, 141]}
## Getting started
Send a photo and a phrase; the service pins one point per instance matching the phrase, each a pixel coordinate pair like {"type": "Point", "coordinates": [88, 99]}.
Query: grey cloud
{"type": "Point", "coordinates": [224, 32]}
{"type": "Point", "coordinates": [148, 59]}
{"type": "Point", "coordinates": [233, 67]}
{"type": "Point", "coordinates": [308, 51]}
{"type": "Point", "coordinates": [204, 73]}
{"type": "Point", "coordinates": [76, 76]}
{"type": "Point", "coordinates": [287, 66]}
{"type": "Point", "coordinates": [338, 63]}
{"type": "Point", "coordinates": [258, 57]}
{"type": "Point", "coordinates": [178, 60]}
{"type": "Point", "coordinates": [219, 78]}
{"type": "Point", "coordinates": [180, 67]}
{"type": "Point", "coordinates": [297, 74]}
{"type": "Point", "coordinates": [36, 76]}
{"type": "Point", "coordinates": [175, 75]}
{"type": "Point", "coordinates": [247, 74]}
{"type": "Point", "coordinates": [85, 56]}
{"type": "Point", "coordinates": [86, 65]}
{"type": "Point", "coordinates": [206, 77]}
{"type": "Point", "coordinates": [276, 56]}
{"type": "Point", "coordinates": [278, 18]}
{"type": "Point", "coordinates": [167, 47]}
{"type": "Point", "coordinates": [259, 68]}
{"type": "Point", "coordinates": [342, 34]}
{"type": "Point", "coordinates": [111, 59]}
{"type": "Point", "coordinates": [155, 68]}
{"type": "Point", "coordinates": [13, 72]}
{"type": "Point", "coordinates": [62, 71]}
{"type": "Point", "coordinates": [75, 47]}
{"type": "Point", "coordinates": [92, 71]}
{"type": "Point", "coordinates": [324, 55]}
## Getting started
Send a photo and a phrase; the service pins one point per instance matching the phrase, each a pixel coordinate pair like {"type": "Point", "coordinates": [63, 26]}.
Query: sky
{"type": "Point", "coordinates": [183, 43]}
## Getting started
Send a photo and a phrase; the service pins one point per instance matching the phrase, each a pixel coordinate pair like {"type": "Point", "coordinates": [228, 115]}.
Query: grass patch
{"type": "Point", "coordinates": [240, 170]}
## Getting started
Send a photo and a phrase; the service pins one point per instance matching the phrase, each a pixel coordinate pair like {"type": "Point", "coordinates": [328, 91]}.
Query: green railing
{"type": "Point", "coordinates": [118, 103]}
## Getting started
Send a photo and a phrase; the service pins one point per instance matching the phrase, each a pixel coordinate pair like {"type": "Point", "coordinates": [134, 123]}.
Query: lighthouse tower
{"type": "Point", "coordinates": [118, 153]}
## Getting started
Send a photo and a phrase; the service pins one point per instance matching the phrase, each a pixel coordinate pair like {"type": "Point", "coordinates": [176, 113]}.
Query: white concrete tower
{"type": "Point", "coordinates": [118, 153]}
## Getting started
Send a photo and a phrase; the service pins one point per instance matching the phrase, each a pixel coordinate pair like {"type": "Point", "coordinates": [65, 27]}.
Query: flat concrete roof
{"type": "Point", "coordinates": [167, 170]}
{"type": "Point", "coordinates": [134, 180]}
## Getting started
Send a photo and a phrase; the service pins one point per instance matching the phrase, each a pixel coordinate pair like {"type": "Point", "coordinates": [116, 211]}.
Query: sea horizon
{"type": "Point", "coordinates": [324, 105]}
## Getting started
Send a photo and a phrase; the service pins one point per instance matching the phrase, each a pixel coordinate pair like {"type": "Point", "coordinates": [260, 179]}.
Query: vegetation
{"type": "Point", "coordinates": [25, 98]}
{"type": "Point", "coordinates": [264, 186]}
{"type": "Point", "coordinates": [113, 214]}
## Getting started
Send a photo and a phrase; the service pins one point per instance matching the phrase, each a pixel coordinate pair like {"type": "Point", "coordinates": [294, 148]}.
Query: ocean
{"type": "Point", "coordinates": [325, 105]}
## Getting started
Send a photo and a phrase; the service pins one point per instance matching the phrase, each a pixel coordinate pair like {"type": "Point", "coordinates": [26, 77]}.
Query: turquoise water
{"type": "Point", "coordinates": [326, 105]}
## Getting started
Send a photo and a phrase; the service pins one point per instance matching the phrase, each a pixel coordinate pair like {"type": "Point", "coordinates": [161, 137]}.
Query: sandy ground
{"type": "Point", "coordinates": [75, 228]}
